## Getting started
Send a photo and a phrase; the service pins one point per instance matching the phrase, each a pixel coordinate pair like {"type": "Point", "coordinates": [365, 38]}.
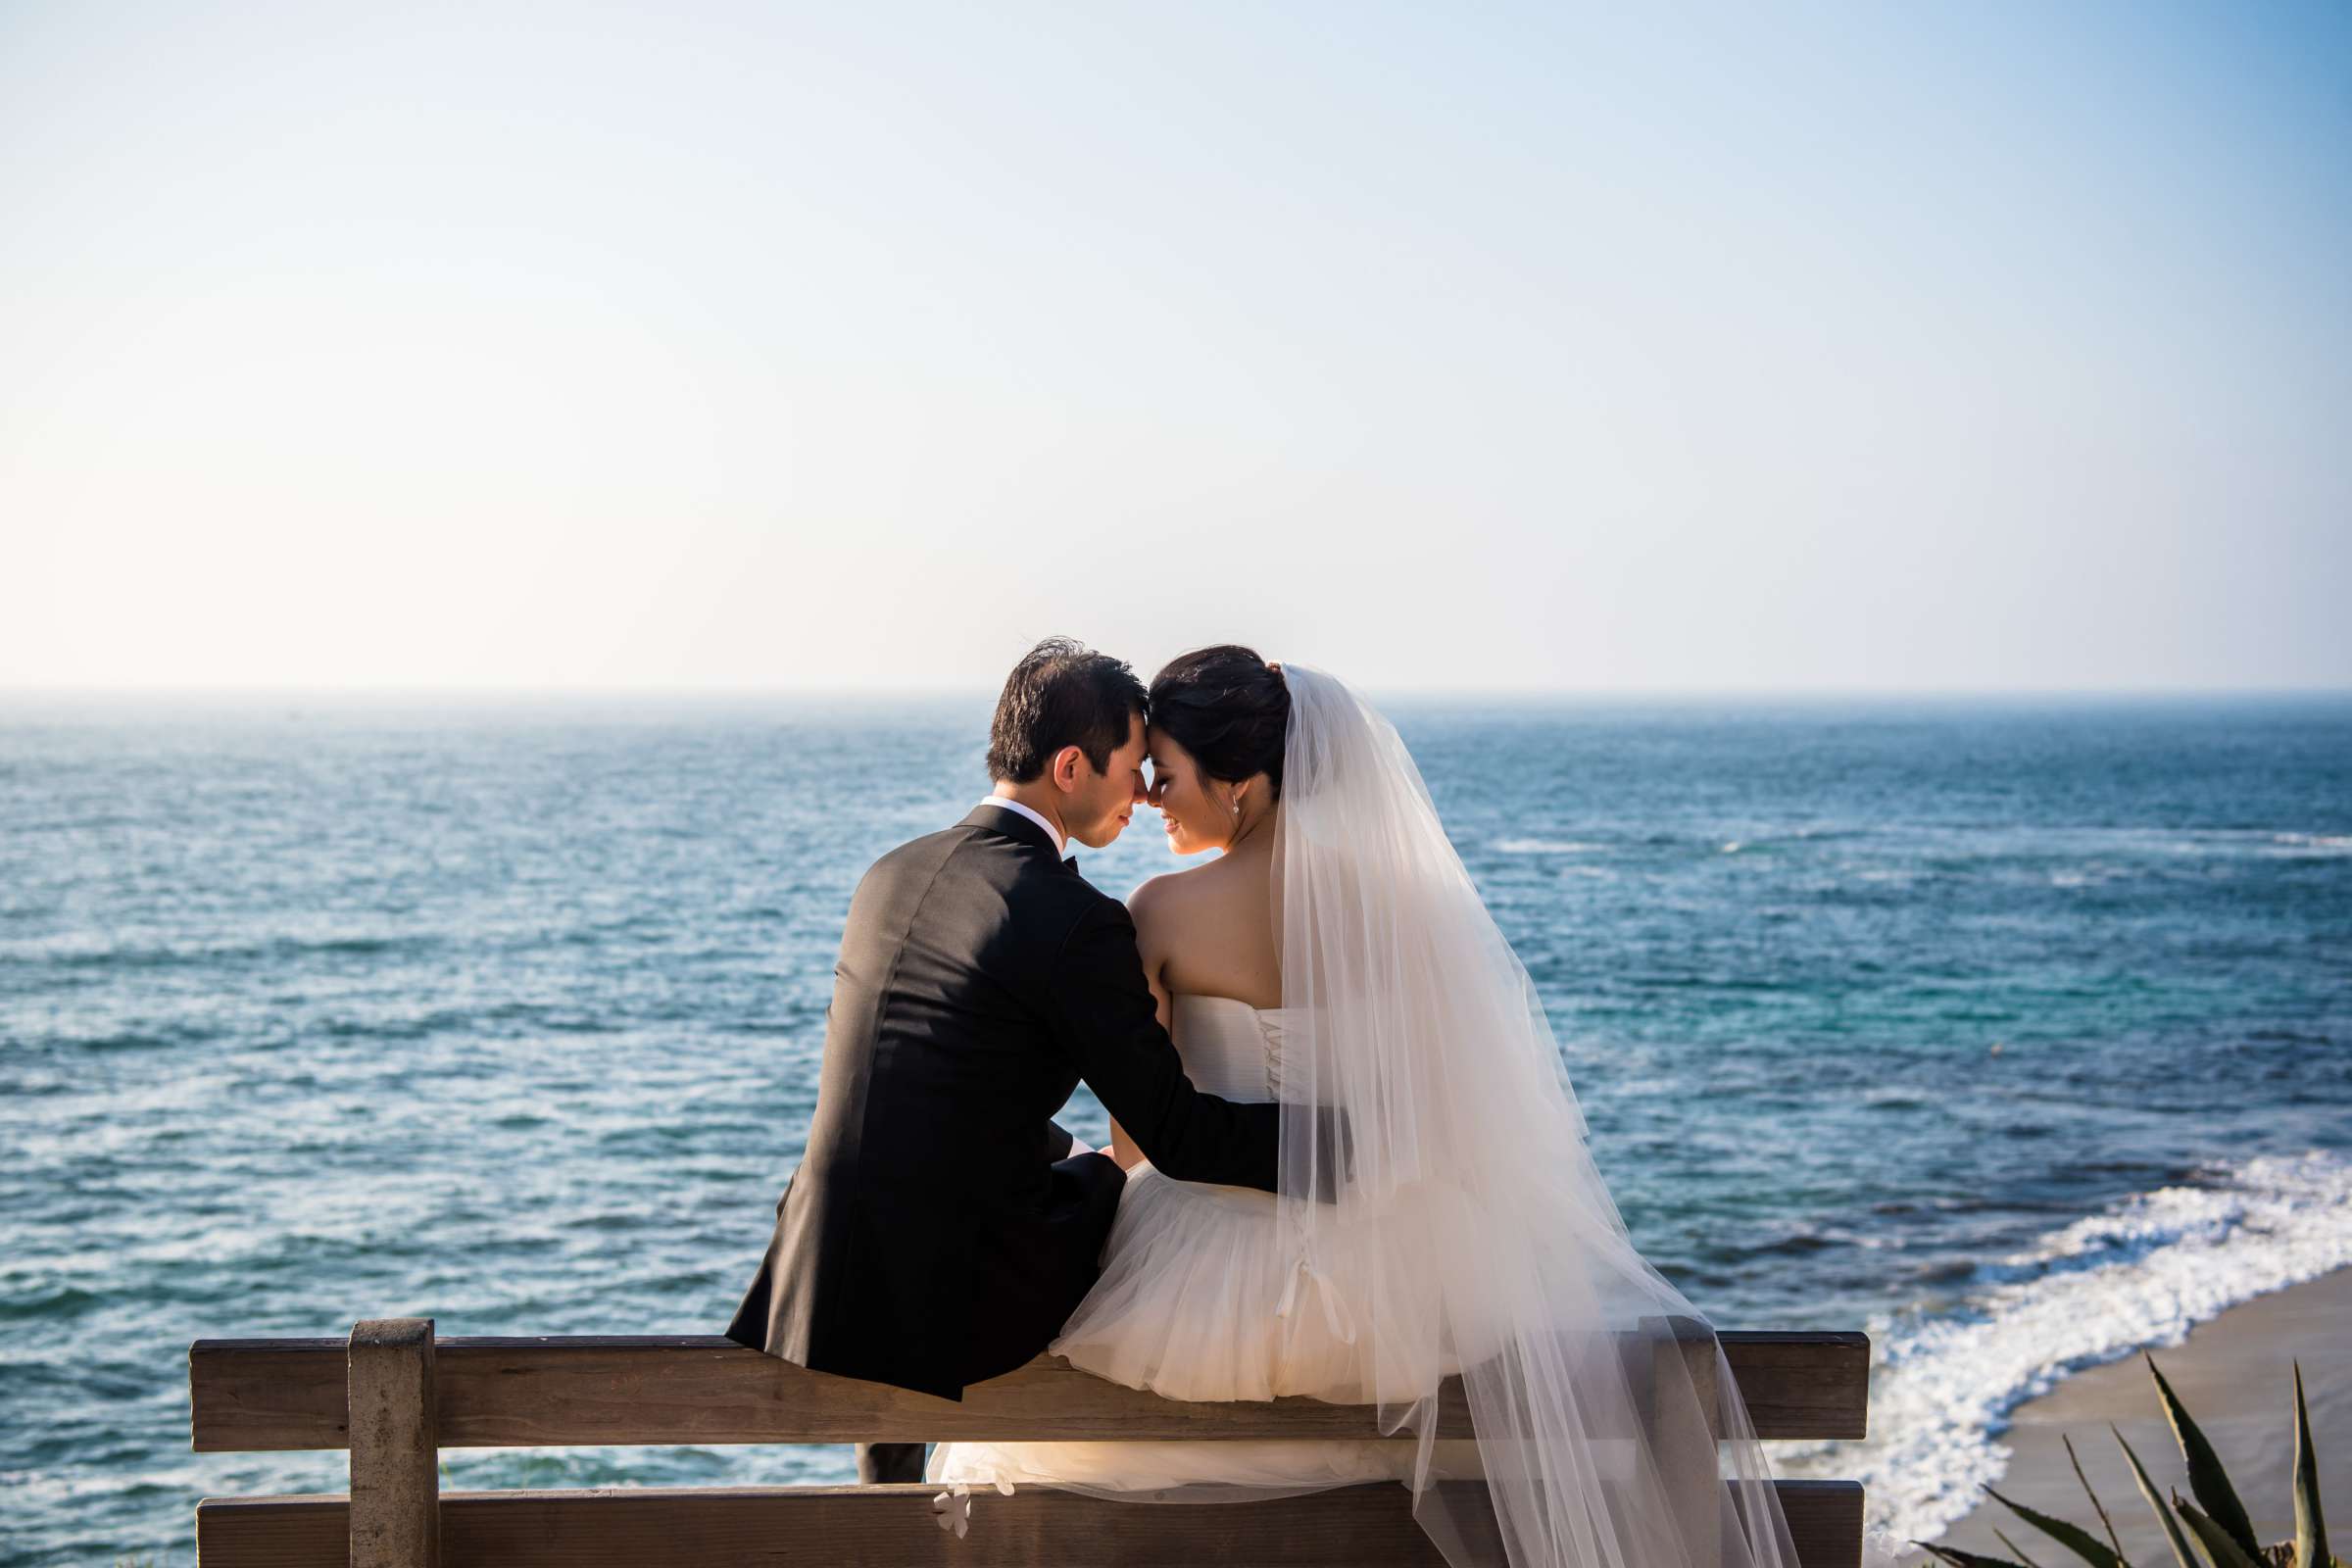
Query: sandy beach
{"type": "Point", "coordinates": [2234, 1374]}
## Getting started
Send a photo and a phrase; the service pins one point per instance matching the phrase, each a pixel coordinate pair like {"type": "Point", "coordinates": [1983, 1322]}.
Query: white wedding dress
{"type": "Point", "coordinates": [1461, 1229]}
{"type": "Point", "coordinates": [1191, 1304]}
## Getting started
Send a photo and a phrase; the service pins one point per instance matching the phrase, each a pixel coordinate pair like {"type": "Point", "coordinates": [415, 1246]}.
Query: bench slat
{"type": "Point", "coordinates": [547, 1390]}
{"type": "Point", "coordinates": [894, 1526]}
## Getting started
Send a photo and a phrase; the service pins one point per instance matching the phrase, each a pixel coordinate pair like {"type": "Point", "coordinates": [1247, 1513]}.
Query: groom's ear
{"type": "Point", "coordinates": [1066, 768]}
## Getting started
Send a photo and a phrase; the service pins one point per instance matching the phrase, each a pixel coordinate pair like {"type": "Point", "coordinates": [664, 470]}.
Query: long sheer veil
{"type": "Point", "coordinates": [1464, 1226]}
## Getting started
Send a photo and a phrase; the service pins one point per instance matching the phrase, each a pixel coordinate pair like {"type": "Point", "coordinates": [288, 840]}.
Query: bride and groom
{"type": "Point", "coordinates": [1346, 1162]}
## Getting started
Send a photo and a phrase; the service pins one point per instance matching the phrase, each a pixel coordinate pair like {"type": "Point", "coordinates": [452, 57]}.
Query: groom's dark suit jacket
{"type": "Point", "coordinates": [932, 1235]}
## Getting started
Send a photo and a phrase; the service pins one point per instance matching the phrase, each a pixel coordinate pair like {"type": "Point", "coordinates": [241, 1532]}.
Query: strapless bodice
{"type": "Point", "coordinates": [1230, 1048]}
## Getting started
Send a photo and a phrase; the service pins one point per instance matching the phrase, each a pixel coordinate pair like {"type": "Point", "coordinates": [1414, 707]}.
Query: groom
{"type": "Point", "coordinates": [940, 1228]}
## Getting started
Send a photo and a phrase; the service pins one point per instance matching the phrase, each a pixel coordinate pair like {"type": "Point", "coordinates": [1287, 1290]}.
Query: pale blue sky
{"type": "Point", "coordinates": [1890, 347]}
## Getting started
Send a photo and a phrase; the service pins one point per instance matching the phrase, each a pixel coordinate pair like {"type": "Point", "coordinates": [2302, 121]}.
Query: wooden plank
{"type": "Point", "coordinates": [1802, 1383]}
{"type": "Point", "coordinates": [395, 1503]}
{"type": "Point", "coordinates": [250, 1394]}
{"type": "Point", "coordinates": [896, 1527]}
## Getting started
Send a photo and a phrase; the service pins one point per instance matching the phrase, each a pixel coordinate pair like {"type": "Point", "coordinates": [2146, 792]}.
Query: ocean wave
{"type": "Point", "coordinates": [2142, 1273]}
{"type": "Point", "coordinates": [1546, 847]}
{"type": "Point", "coordinates": [54, 1302]}
{"type": "Point", "coordinates": [2321, 844]}
{"type": "Point", "coordinates": [70, 955]}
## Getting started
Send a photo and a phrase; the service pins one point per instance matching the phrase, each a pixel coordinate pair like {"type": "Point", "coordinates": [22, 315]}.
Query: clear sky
{"type": "Point", "coordinates": [1901, 345]}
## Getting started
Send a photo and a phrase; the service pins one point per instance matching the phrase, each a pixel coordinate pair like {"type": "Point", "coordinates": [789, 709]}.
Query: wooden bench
{"type": "Point", "coordinates": [394, 1395]}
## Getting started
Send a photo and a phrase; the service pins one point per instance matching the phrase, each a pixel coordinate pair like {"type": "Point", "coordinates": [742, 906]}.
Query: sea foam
{"type": "Point", "coordinates": [2141, 1274]}
{"type": "Point", "coordinates": [1544, 847]}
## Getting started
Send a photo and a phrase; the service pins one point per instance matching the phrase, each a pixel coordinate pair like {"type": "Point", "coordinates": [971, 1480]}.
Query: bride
{"type": "Point", "coordinates": [1336, 953]}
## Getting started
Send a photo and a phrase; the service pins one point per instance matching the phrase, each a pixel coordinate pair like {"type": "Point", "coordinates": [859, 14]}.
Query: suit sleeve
{"type": "Point", "coordinates": [1103, 1009]}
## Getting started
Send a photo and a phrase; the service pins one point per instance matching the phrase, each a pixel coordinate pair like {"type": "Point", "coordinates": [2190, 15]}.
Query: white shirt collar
{"type": "Point", "coordinates": [1060, 845]}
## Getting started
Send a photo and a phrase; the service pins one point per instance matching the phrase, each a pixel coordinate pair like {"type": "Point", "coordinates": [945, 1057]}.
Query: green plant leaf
{"type": "Point", "coordinates": [2311, 1526]}
{"type": "Point", "coordinates": [2096, 1507]}
{"type": "Point", "coordinates": [2014, 1547]}
{"type": "Point", "coordinates": [2225, 1553]}
{"type": "Point", "coordinates": [2074, 1537]}
{"type": "Point", "coordinates": [2207, 1480]}
{"type": "Point", "coordinates": [1963, 1559]}
{"type": "Point", "coordinates": [2147, 1489]}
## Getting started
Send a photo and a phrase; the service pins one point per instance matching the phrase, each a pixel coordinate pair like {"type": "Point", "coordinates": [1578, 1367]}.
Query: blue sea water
{"type": "Point", "coordinates": [2016, 1032]}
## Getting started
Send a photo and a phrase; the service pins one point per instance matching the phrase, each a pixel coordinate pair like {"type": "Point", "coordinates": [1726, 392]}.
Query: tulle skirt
{"type": "Point", "coordinates": [1202, 1297]}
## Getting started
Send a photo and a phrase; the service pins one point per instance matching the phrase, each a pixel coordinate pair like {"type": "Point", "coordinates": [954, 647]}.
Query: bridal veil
{"type": "Point", "coordinates": [1465, 1226]}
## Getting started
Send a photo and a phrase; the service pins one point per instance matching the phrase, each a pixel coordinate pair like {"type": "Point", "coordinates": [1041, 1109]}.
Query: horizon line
{"type": "Point", "coordinates": [490, 693]}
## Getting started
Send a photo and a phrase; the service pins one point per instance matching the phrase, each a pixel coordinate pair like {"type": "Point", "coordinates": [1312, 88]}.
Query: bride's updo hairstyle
{"type": "Point", "coordinates": [1229, 708]}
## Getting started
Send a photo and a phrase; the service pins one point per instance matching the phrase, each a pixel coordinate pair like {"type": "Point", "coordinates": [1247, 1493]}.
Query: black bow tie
{"type": "Point", "coordinates": [1070, 864]}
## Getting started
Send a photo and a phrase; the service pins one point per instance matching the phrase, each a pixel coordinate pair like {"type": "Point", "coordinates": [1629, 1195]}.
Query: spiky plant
{"type": "Point", "coordinates": [2216, 1521]}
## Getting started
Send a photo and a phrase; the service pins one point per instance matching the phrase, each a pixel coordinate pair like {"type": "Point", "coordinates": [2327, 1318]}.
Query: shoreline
{"type": "Point", "coordinates": [2233, 1373]}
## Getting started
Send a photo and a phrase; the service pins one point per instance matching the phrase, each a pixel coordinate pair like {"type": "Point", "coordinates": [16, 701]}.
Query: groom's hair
{"type": "Point", "coordinates": [1063, 693]}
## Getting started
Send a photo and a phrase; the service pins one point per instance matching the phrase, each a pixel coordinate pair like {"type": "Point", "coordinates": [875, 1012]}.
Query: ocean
{"type": "Point", "coordinates": [2016, 1032]}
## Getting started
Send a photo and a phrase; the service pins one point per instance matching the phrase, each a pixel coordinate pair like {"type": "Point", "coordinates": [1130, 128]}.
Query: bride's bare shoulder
{"type": "Point", "coordinates": [1208, 929]}
{"type": "Point", "coordinates": [1159, 897]}
{"type": "Point", "coordinates": [1200, 904]}
{"type": "Point", "coordinates": [1177, 898]}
